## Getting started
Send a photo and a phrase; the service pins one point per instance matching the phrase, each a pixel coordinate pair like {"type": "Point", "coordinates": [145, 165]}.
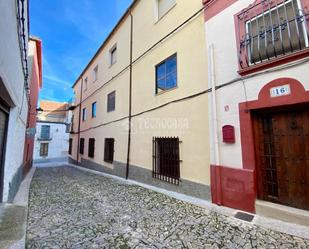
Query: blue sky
{"type": "Point", "coordinates": [71, 31]}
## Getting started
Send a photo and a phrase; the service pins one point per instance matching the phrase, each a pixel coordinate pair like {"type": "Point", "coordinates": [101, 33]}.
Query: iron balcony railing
{"type": "Point", "coordinates": [45, 138]}
{"type": "Point", "coordinates": [271, 28]}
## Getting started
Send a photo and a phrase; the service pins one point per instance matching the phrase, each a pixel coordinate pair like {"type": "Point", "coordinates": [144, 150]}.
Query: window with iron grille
{"type": "Point", "coordinates": [81, 146]}
{"type": "Point", "coordinates": [166, 159]}
{"type": "Point", "coordinates": [166, 74]}
{"type": "Point", "coordinates": [44, 150]}
{"type": "Point", "coordinates": [91, 146]}
{"type": "Point", "coordinates": [70, 146]}
{"type": "Point", "coordinates": [109, 150]}
{"type": "Point", "coordinates": [111, 101]}
{"type": "Point", "coordinates": [271, 29]}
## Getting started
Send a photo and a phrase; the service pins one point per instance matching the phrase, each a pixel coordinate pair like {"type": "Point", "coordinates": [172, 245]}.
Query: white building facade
{"type": "Point", "coordinates": [13, 94]}
{"type": "Point", "coordinates": [51, 142]}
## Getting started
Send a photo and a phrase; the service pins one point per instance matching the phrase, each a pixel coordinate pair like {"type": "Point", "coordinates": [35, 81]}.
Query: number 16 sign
{"type": "Point", "coordinates": [280, 91]}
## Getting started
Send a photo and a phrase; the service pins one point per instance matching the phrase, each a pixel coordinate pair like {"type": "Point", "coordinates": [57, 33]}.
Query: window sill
{"type": "Point", "coordinates": [275, 62]}
{"type": "Point", "coordinates": [165, 14]}
{"type": "Point", "coordinates": [166, 91]}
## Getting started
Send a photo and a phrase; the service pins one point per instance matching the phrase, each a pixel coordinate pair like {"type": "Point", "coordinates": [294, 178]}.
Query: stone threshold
{"type": "Point", "coordinates": [281, 212]}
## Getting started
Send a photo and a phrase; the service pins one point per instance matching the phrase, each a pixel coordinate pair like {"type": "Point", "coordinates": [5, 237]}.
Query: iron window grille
{"type": "Point", "coordinates": [270, 29]}
{"type": "Point", "coordinates": [166, 74]}
{"type": "Point", "coordinates": [70, 146]}
{"type": "Point", "coordinates": [91, 146]}
{"type": "Point", "coordinates": [81, 146]}
{"type": "Point", "coordinates": [111, 101]}
{"type": "Point", "coordinates": [109, 150]}
{"type": "Point", "coordinates": [44, 150]}
{"type": "Point", "coordinates": [166, 159]}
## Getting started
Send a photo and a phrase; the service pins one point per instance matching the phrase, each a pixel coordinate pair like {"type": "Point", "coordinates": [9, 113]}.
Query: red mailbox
{"type": "Point", "coordinates": [228, 132]}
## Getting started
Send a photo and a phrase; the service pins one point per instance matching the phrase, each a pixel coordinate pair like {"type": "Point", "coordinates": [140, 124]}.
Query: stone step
{"type": "Point", "coordinates": [281, 212]}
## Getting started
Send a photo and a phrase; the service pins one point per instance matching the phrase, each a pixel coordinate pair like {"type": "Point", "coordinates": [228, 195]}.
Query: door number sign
{"type": "Point", "coordinates": [280, 91]}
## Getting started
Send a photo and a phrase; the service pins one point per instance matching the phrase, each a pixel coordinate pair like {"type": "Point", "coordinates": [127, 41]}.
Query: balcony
{"type": "Point", "coordinates": [272, 32]}
{"type": "Point", "coordinates": [44, 137]}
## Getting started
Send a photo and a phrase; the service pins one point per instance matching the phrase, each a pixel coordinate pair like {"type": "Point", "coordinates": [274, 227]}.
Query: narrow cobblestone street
{"type": "Point", "coordinates": [69, 208]}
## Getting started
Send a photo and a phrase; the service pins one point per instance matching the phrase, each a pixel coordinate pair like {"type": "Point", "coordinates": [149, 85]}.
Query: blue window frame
{"type": "Point", "coordinates": [166, 74]}
{"type": "Point", "coordinates": [94, 110]}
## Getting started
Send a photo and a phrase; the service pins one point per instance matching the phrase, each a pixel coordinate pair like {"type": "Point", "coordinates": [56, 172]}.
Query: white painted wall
{"type": "Point", "coordinates": [12, 77]}
{"type": "Point", "coordinates": [58, 145]}
{"type": "Point", "coordinates": [220, 31]}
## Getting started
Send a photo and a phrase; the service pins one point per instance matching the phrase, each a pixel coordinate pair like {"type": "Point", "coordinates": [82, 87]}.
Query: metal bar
{"type": "Point", "coordinates": [288, 25]}
{"type": "Point", "coordinates": [279, 27]}
{"type": "Point", "coordinates": [296, 24]}
{"type": "Point", "coordinates": [272, 28]}
{"type": "Point", "coordinates": [258, 34]}
{"type": "Point", "coordinates": [251, 43]}
{"type": "Point", "coordinates": [265, 30]}
{"type": "Point", "coordinates": [239, 48]}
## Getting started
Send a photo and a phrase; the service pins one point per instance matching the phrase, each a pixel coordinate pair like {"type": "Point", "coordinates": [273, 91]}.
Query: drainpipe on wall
{"type": "Point", "coordinates": [130, 97]}
{"type": "Point", "coordinates": [79, 116]}
{"type": "Point", "coordinates": [215, 122]}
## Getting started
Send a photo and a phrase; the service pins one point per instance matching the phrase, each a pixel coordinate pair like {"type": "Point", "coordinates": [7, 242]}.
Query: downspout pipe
{"type": "Point", "coordinates": [130, 97]}
{"type": "Point", "coordinates": [79, 116]}
{"type": "Point", "coordinates": [215, 123]}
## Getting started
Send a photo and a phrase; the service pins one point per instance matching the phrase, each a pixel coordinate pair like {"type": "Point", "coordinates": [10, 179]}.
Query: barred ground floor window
{"type": "Point", "coordinates": [166, 159]}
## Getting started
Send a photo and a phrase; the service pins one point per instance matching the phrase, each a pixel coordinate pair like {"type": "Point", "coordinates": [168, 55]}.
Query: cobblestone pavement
{"type": "Point", "coordinates": [69, 208]}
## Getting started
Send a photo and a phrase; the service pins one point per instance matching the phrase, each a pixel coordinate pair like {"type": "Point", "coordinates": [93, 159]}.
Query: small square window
{"type": "Point", "coordinates": [95, 73]}
{"type": "Point", "coordinates": [113, 55]}
{"type": "Point", "coordinates": [94, 110]}
{"type": "Point", "coordinates": [166, 74]}
{"type": "Point", "coordinates": [111, 101]}
{"type": "Point", "coordinates": [84, 114]}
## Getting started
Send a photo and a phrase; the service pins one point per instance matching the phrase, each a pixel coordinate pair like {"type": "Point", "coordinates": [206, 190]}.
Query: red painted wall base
{"type": "Point", "coordinates": [236, 190]}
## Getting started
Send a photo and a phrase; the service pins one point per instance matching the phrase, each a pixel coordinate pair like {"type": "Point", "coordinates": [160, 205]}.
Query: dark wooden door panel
{"type": "Point", "coordinates": [282, 150]}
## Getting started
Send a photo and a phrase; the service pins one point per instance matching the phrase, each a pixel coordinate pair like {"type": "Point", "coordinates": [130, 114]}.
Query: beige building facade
{"type": "Point", "coordinates": [141, 104]}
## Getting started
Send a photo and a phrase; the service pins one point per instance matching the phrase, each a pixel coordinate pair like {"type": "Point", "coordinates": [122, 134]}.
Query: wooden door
{"type": "Point", "coordinates": [282, 150]}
